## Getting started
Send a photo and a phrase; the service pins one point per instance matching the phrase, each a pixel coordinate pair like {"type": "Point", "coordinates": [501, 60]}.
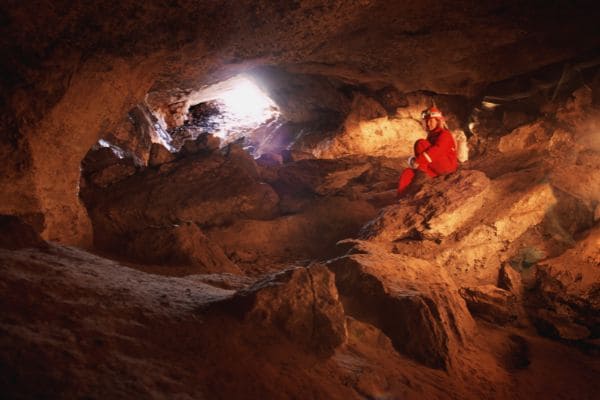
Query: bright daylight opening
{"type": "Point", "coordinates": [232, 108]}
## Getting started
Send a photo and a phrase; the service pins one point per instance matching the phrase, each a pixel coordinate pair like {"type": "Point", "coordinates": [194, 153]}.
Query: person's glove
{"type": "Point", "coordinates": [412, 162]}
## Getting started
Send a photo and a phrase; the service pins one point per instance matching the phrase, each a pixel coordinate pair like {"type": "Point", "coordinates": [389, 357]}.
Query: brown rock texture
{"type": "Point", "coordinates": [567, 291]}
{"type": "Point", "coordinates": [159, 155]}
{"type": "Point", "coordinates": [117, 332]}
{"type": "Point", "coordinates": [16, 234]}
{"type": "Point", "coordinates": [491, 303]}
{"type": "Point", "coordinates": [183, 244]}
{"type": "Point", "coordinates": [413, 302]}
{"type": "Point", "coordinates": [435, 211]}
{"type": "Point", "coordinates": [207, 190]}
{"type": "Point", "coordinates": [302, 303]}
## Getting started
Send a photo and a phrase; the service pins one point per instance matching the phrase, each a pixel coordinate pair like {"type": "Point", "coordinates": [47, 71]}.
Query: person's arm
{"type": "Point", "coordinates": [440, 149]}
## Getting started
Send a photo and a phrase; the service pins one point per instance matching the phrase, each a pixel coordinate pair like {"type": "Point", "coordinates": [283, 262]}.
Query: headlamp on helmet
{"type": "Point", "coordinates": [432, 112]}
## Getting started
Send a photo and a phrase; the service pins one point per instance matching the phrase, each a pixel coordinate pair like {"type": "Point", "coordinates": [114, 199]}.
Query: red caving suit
{"type": "Point", "coordinates": [435, 155]}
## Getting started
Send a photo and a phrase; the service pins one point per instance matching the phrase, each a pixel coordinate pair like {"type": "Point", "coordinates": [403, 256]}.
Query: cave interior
{"type": "Point", "coordinates": [199, 200]}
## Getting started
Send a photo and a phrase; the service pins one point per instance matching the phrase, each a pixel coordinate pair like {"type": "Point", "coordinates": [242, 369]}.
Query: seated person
{"type": "Point", "coordinates": [435, 155]}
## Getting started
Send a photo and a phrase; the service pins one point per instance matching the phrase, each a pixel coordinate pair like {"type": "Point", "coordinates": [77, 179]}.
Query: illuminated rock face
{"type": "Point", "coordinates": [413, 302]}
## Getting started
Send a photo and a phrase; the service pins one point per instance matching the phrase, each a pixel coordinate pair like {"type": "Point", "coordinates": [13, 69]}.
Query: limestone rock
{"type": "Point", "coordinates": [412, 301]}
{"type": "Point", "coordinates": [339, 179]}
{"type": "Point", "coordinates": [577, 108]}
{"type": "Point", "coordinates": [524, 138]}
{"type": "Point", "coordinates": [437, 210]}
{"type": "Point", "coordinates": [16, 234]}
{"type": "Point", "coordinates": [208, 191]}
{"type": "Point", "coordinates": [295, 155]}
{"type": "Point", "coordinates": [555, 326]}
{"type": "Point", "coordinates": [491, 303]}
{"type": "Point", "coordinates": [270, 159]}
{"type": "Point", "coordinates": [512, 119]}
{"type": "Point", "coordinates": [204, 143]}
{"type": "Point", "coordinates": [514, 205]}
{"type": "Point", "coordinates": [302, 303]}
{"type": "Point", "coordinates": [517, 353]}
{"type": "Point", "coordinates": [310, 232]}
{"type": "Point", "coordinates": [509, 279]}
{"type": "Point", "coordinates": [302, 97]}
{"type": "Point", "coordinates": [159, 155]}
{"type": "Point", "coordinates": [179, 245]}
{"type": "Point", "coordinates": [107, 164]}
{"type": "Point", "coordinates": [330, 177]}
{"type": "Point", "coordinates": [225, 281]}
{"type": "Point", "coordinates": [569, 286]}
{"type": "Point", "coordinates": [112, 174]}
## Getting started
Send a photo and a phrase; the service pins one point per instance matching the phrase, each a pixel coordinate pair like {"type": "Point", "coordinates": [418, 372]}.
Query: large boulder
{"type": "Point", "coordinates": [368, 130]}
{"type": "Point", "coordinates": [208, 190]}
{"type": "Point", "coordinates": [311, 232]}
{"type": "Point", "coordinates": [412, 301]}
{"type": "Point", "coordinates": [437, 210]}
{"type": "Point", "coordinates": [183, 244]}
{"type": "Point", "coordinates": [491, 303]}
{"type": "Point", "coordinates": [15, 233]}
{"type": "Point", "coordinates": [300, 303]}
{"type": "Point", "coordinates": [524, 138]}
{"type": "Point", "coordinates": [514, 204]}
{"type": "Point", "coordinates": [567, 291]}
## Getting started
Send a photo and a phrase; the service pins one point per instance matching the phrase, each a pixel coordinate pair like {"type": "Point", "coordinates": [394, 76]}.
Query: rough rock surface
{"type": "Point", "coordinates": [77, 325]}
{"type": "Point", "coordinates": [310, 233]}
{"type": "Point", "coordinates": [509, 279]}
{"type": "Point", "coordinates": [16, 234]}
{"type": "Point", "coordinates": [412, 301]}
{"type": "Point", "coordinates": [302, 303]}
{"type": "Point", "coordinates": [491, 303]}
{"type": "Point", "coordinates": [349, 77]}
{"type": "Point", "coordinates": [159, 155]}
{"type": "Point", "coordinates": [184, 244]}
{"type": "Point", "coordinates": [568, 288]}
{"type": "Point", "coordinates": [124, 327]}
{"type": "Point", "coordinates": [206, 190]}
{"type": "Point", "coordinates": [435, 211]}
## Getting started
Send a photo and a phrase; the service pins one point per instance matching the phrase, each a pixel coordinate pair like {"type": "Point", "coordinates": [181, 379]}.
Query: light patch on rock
{"type": "Point", "coordinates": [525, 137]}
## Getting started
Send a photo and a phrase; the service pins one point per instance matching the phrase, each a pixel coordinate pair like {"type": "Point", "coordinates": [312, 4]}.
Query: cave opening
{"type": "Point", "coordinates": [230, 110]}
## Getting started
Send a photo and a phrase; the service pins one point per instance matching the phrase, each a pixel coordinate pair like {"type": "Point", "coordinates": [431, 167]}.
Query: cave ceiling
{"type": "Point", "coordinates": [450, 47]}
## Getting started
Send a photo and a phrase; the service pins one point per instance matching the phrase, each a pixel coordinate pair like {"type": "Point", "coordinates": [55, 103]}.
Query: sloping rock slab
{"type": "Point", "coordinates": [413, 302]}
{"type": "Point", "coordinates": [311, 233]}
{"type": "Point", "coordinates": [555, 326]}
{"type": "Point", "coordinates": [509, 279]}
{"type": "Point", "coordinates": [437, 210]}
{"type": "Point", "coordinates": [209, 190]}
{"type": "Point", "coordinates": [569, 286]}
{"type": "Point", "coordinates": [301, 303]}
{"type": "Point", "coordinates": [491, 303]}
{"type": "Point", "coordinates": [179, 245]}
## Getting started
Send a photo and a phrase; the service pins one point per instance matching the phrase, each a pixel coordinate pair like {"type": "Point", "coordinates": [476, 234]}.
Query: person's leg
{"type": "Point", "coordinates": [408, 174]}
{"type": "Point", "coordinates": [406, 178]}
